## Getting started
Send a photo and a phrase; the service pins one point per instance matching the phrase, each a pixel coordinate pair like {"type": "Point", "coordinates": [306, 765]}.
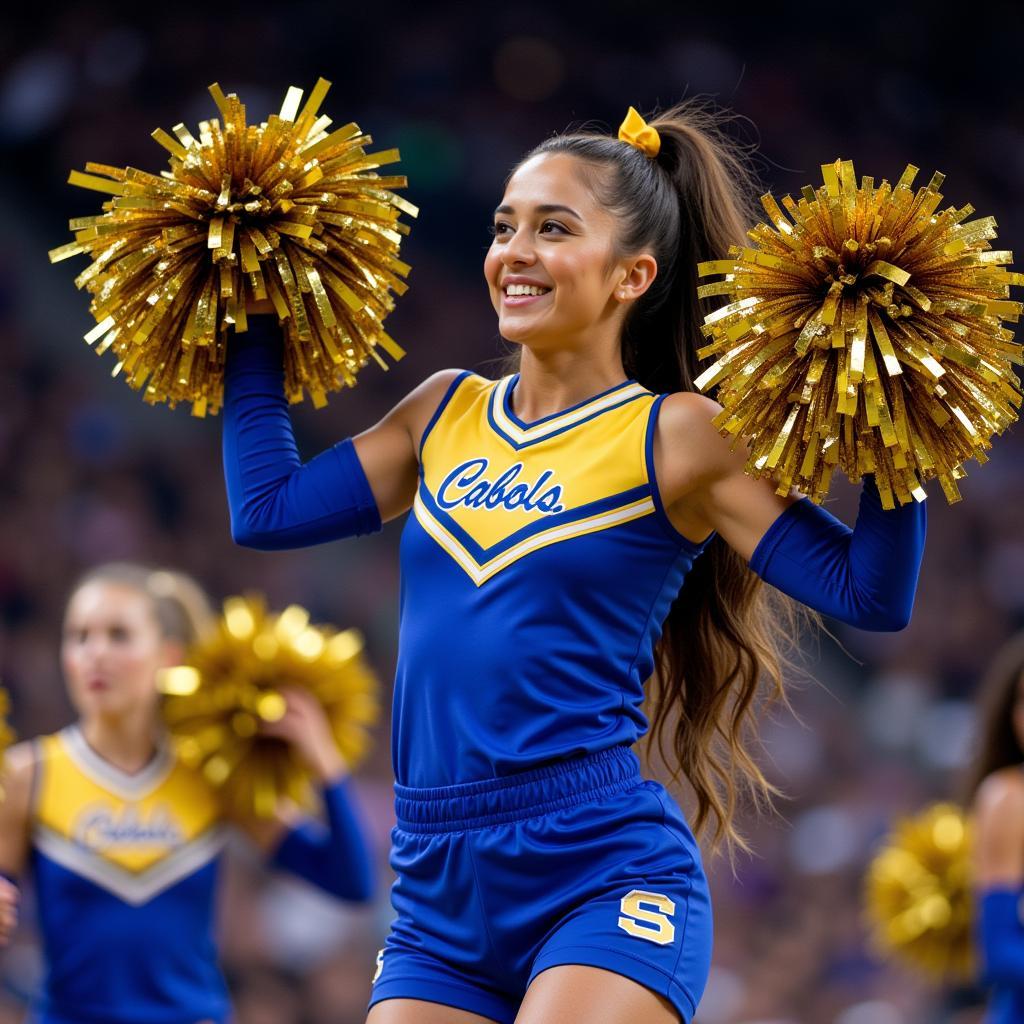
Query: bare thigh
{"type": "Point", "coordinates": [575, 994]}
{"type": "Point", "coordinates": [419, 1011]}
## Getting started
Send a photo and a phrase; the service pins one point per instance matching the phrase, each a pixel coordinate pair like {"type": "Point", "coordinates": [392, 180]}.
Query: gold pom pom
{"type": "Point", "coordinates": [285, 209]}
{"type": "Point", "coordinates": [232, 682]}
{"type": "Point", "coordinates": [6, 732]}
{"type": "Point", "coordinates": [864, 333]}
{"type": "Point", "coordinates": [918, 894]}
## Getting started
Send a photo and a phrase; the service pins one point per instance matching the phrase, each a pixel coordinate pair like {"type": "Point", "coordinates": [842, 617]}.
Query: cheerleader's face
{"type": "Point", "coordinates": [553, 240]}
{"type": "Point", "coordinates": [111, 650]}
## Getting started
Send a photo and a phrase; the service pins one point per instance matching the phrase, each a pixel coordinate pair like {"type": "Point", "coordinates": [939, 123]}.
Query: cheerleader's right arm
{"type": "Point", "coordinates": [999, 877]}
{"type": "Point", "coordinates": [275, 500]}
{"type": "Point", "coordinates": [15, 812]}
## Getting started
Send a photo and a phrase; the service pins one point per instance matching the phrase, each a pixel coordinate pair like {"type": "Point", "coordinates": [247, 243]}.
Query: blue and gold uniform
{"type": "Point", "coordinates": [538, 567]}
{"type": "Point", "coordinates": [537, 570]}
{"type": "Point", "coordinates": [125, 868]}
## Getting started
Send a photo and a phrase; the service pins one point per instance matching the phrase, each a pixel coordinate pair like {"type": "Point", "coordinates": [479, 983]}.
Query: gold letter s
{"type": "Point", "coordinates": [663, 932]}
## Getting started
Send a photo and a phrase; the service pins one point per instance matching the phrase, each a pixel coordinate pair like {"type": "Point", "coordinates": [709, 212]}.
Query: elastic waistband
{"type": "Point", "coordinates": [527, 794]}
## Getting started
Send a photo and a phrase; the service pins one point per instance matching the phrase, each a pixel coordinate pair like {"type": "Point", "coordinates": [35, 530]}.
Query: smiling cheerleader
{"type": "Point", "coordinates": [556, 513]}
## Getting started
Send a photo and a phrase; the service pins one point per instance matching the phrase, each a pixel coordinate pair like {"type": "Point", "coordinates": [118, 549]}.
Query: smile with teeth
{"type": "Point", "coordinates": [525, 289]}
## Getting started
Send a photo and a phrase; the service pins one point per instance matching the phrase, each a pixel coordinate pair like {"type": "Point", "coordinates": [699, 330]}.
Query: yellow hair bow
{"type": "Point", "coordinates": [637, 132]}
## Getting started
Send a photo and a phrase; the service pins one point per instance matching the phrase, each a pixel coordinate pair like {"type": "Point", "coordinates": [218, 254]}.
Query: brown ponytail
{"type": "Point", "coordinates": [726, 642]}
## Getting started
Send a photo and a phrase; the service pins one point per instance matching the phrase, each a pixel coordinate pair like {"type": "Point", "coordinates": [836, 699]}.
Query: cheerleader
{"type": "Point", "coordinates": [555, 515]}
{"type": "Point", "coordinates": [123, 840]}
{"type": "Point", "coordinates": [996, 790]}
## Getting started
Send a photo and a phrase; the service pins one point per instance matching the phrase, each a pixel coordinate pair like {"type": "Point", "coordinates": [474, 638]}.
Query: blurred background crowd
{"type": "Point", "coordinates": [89, 473]}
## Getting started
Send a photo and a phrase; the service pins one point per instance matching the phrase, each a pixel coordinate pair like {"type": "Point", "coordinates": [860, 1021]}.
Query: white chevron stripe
{"type": "Point", "coordinates": [519, 435]}
{"type": "Point", "coordinates": [480, 573]}
{"type": "Point", "coordinates": [128, 886]}
{"type": "Point", "coordinates": [122, 784]}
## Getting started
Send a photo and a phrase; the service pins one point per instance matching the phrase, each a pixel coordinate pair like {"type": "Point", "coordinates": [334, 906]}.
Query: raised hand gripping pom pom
{"type": "Point", "coordinates": [864, 332]}
{"type": "Point", "coordinates": [233, 681]}
{"type": "Point", "coordinates": [918, 895]}
{"type": "Point", "coordinates": [285, 209]}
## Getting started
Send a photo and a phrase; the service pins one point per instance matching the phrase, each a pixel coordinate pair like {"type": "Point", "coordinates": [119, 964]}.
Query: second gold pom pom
{"type": "Point", "coordinates": [863, 332]}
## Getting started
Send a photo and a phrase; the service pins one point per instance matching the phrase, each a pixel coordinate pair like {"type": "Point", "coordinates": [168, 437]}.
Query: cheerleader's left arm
{"type": "Point", "coordinates": [333, 852]}
{"type": "Point", "coordinates": [866, 576]}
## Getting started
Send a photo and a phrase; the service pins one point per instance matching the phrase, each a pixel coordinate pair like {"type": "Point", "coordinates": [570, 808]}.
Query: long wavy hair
{"type": "Point", "coordinates": [997, 744]}
{"type": "Point", "coordinates": [727, 643]}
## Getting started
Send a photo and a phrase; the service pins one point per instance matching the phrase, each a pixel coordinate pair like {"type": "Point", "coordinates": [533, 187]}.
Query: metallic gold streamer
{"type": "Point", "coordinates": [232, 682]}
{"type": "Point", "coordinates": [285, 209]}
{"type": "Point", "coordinates": [918, 896]}
{"type": "Point", "coordinates": [863, 332]}
{"type": "Point", "coordinates": [6, 733]}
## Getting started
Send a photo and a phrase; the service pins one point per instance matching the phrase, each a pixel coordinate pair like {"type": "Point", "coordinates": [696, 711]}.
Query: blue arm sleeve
{"type": "Point", "coordinates": [275, 501]}
{"type": "Point", "coordinates": [865, 577]}
{"type": "Point", "coordinates": [1001, 938]}
{"type": "Point", "coordinates": [336, 858]}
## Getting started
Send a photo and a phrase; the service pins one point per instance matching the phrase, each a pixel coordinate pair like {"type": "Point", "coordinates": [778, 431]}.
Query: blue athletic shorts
{"type": "Point", "coordinates": [580, 862]}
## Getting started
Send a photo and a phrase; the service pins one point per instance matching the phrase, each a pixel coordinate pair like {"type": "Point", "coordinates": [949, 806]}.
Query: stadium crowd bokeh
{"type": "Point", "coordinates": [89, 473]}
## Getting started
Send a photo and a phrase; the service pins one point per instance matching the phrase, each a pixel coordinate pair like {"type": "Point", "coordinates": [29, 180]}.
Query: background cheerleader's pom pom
{"type": "Point", "coordinates": [287, 210]}
{"type": "Point", "coordinates": [919, 900]}
{"type": "Point", "coordinates": [232, 682]}
{"type": "Point", "coordinates": [864, 331]}
{"type": "Point", "coordinates": [6, 733]}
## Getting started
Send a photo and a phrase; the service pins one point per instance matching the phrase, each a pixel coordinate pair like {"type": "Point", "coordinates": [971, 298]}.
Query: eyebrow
{"type": "Point", "coordinates": [547, 208]}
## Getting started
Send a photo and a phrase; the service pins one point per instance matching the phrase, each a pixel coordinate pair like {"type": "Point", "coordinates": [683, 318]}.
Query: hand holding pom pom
{"type": "Point", "coordinates": [304, 726]}
{"type": "Point", "coordinates": [864, 331]}
{"type": "Point", "coordinates": [265, 700]}
{"type": "Point", "coordinates": [285, 211]}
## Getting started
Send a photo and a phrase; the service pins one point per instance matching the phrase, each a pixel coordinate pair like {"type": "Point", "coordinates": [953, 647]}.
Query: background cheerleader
{"type": "Point", "coordinates": [996, 787]}
{"type": "Point", "coordinates": [122, 839]}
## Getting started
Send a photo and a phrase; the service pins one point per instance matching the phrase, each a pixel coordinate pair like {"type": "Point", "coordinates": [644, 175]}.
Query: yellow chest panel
{"type": "Point", "coordinates": [145, 830]}
{"type": "Point", "coordinates": [494, 488]}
